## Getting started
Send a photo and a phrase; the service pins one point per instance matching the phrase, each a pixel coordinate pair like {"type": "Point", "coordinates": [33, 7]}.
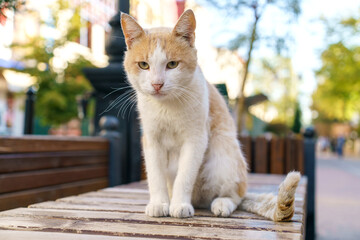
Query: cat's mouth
{"type": "Point", "coordinates": [158, 94]}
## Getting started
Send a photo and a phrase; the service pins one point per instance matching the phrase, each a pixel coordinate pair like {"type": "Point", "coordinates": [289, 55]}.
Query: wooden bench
{"type": "Point", "coordinates": [118, 213]}
{"type": "Point", "coordinates": [40, 168]}
{"type": "Point", "coordinates": [282, 155]}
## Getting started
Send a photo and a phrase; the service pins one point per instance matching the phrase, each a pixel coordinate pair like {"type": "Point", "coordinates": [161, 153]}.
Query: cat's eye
{"type": "Point", "coordinates": [144, 65]}
{"type": "Point", "coordinates": [172, 64]}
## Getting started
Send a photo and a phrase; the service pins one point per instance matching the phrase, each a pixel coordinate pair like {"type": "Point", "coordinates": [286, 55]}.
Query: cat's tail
{"type": "Point", "coordinates": [276, 208]}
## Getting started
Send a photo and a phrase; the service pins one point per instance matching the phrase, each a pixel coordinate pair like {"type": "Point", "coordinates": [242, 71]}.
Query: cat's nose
{"type": "Point", "coordinates": [157, 87]}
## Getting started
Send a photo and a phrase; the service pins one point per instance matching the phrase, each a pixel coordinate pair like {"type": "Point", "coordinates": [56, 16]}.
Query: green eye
{"type": "Point", "coordinates": [144, 65]}
{"type": "Point", "coordinates": [172, 64]}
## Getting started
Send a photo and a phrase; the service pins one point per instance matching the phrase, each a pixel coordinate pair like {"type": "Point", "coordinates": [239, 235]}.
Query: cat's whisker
{"type": "Point", "coordinates": [188, 93]}
{"type": "Point", "coordinates": [123, 97]}
{"type": "Point", "coordinates": [116, 90]}
{"type": "Point", "coordinates": [184, 102]}
{"type": "Point", "coordinates": [111, 105]}
{"type": "Point", "coordinates": [131, 107]}
{"type": "Point", "coordinates": [117, 101]}
{"type": "Point", "coordinates": [125, 105]}
{"type": "Point", "coordinates": [121, 107]}
{"type": "Point", "coordinates": [189, 97]}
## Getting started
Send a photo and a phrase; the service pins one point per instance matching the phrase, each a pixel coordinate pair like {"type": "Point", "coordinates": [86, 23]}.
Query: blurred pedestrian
{"type": "Point", "coordinates": [340, 142]}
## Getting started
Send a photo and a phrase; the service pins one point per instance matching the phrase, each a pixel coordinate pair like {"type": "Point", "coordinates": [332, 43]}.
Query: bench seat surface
{"type": "Point", "coordinates": [118, 213]}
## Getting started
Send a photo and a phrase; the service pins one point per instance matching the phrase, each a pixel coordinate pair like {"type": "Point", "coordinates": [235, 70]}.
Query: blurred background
{"type": "Point", "coordinates": [284, 67]}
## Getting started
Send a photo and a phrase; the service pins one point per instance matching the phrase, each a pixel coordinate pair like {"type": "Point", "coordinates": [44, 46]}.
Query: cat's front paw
{"type": "Point", "coordinates": [181, 210]}
{"type": "Point", "coordinates": [157, 209]}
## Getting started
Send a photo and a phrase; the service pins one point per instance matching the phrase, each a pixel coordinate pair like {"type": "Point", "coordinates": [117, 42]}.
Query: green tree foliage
{"type": "Point", "coordinates": [58, 86]}
{"type": "Point", "coordinates": [337, 97]}
{"type": "Point", "coordinates": [276, 78]}
{"type": "Point", "coordinates": [296, 127]}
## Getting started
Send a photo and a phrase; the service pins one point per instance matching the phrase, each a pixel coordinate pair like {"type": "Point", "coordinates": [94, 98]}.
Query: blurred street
{"type": "Point", "coordinates": [338, 198]}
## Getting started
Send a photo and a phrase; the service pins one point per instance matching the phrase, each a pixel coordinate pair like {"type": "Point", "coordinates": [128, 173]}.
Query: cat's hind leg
{"type": "Point", "coordinates": [224, 206]}
{"type": "Point", "coordinates": [224, 174]}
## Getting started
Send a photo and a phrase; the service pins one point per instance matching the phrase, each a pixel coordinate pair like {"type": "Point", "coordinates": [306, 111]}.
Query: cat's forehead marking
{"type": "Point", "coordinates": [158, 41]}
{"type": "Point", "coordinates": [158, 56]}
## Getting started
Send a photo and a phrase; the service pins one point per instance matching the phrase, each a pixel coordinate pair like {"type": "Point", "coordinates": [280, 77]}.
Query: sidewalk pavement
{"type": "Point", "coordinates": [337, 198]}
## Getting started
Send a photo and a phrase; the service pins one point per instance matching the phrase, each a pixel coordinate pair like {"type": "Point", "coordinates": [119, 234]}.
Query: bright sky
{"type": "Point", "coordinates": [308, 33]}
{"type": "Point", "coordinates": [310, 37]}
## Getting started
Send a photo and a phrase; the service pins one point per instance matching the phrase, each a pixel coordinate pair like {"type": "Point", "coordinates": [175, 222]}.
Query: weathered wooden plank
{"type": "Point", "coordinates": [129, 189]}
{"type": "Point", "coordinates": [103, 194]}
{"type": "Point", "coordinates": [128, 202]}
{"type": "Point", "coordinates": [277, 152]}
{"type": "Point", "coordinates": [44, 160]}
{"type": "Point", "coordinates": [138, 230]}
{"type": "Point", "coordinates": [21, 235]}
{"type": "Point", "coordinates": [11, 182]}
{"type": "Point", "coordinates": [119, 211]}
{"type": "Point", "coordinates": [24, 198]}
{"type": "Point", "coordinates": [91, 200]}
{"type": "Point", "coordinates": [136, 185]}
{"type": "Point", "coordinates": [261, 157]}
{"type": "Point", "coordinates": [272, 180]}
{"type": "Point", "coordinates": [129, 195]}
{"type": "Point", "coordinates": [298, 217]}
{"type": "Point", "coordinates": [90, 206]}
{"type": "Point", "coordinates": [51, 144]}
{"type": "Point", "coordinates": [207, 222]}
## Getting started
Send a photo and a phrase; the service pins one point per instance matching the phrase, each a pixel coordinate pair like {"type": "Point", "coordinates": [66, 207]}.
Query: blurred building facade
{"type": "Point", "coordinates": [26, 23]}
{"type": "Point", "coordinates": [11, 114]}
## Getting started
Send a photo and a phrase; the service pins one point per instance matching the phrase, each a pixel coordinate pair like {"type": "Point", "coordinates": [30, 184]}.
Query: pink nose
{"type": "Point", "coordinates": [157, 87]}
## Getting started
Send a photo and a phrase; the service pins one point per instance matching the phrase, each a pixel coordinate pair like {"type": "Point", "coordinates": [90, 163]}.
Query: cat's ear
{"type": "Point", "coordinates": [185, 27]}
{"type": "Point", "coordinates": [131, 29]}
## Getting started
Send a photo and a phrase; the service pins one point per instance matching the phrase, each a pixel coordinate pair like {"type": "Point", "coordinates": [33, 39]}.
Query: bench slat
{"type": "Point", "coordinates": [45, 160]}
{"type": "Point", "coordinates": [24, 198]}
{"type": "Point", "coordinates": [15, 235]}
{"type": "Point", "coordinates": [277, 156]}
{"type": "Point", "coordinates": [12, 182]}
{"type": "Point", "coordinates": [261, 157]}
{"type": "Point", "coordinates": [197, 221]}
{"type": "Point", "coordinates": [298, 217]}
{"type": "Point", "coordinates": [143, 230]}
{"type": "Point", "coordinates": [51, 144]}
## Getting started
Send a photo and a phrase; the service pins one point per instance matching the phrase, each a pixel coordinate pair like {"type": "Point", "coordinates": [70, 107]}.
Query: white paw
{"type": "Point", "coordinates": [222, 207]}
{"type": "Point", "coordinates": [181, 210]}
{"type": "Point", "coordinates": [157, 210]}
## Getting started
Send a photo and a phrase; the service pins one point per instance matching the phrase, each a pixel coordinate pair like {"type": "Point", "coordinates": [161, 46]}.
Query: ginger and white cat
{"type": "Point", "coordinates": [192, 154]}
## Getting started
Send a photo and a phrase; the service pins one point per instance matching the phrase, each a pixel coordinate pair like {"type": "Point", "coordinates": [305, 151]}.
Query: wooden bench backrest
{"type": "Point", "coordinates": [277, 155]}
{"type": "Point", "coordinates": [35, 169]}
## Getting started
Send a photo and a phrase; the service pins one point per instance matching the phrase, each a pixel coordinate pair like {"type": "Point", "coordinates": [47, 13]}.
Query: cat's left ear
{"type": "Point", "coordinates": [131, 29]}
{"type": "Point", "coordinates": [185, 27]}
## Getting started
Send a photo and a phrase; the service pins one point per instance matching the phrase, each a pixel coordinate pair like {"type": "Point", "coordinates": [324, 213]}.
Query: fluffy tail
{"type": "Point", "coordinates": [276, 208]}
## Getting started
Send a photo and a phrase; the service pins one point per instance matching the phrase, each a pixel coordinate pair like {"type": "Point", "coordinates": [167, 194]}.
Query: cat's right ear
{"type": "Point", "coordinates": [185, 27]}
{"type": "Point", "coordinates": [131, 29]}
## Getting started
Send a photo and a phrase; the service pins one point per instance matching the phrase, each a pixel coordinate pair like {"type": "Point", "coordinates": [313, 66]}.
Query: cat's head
{"type": "Point", "coordinates": [160, 62]}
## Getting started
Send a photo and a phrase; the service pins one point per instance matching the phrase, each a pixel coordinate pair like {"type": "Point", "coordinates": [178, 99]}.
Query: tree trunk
{"type": "Point", "coordinates": [241, 100]}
